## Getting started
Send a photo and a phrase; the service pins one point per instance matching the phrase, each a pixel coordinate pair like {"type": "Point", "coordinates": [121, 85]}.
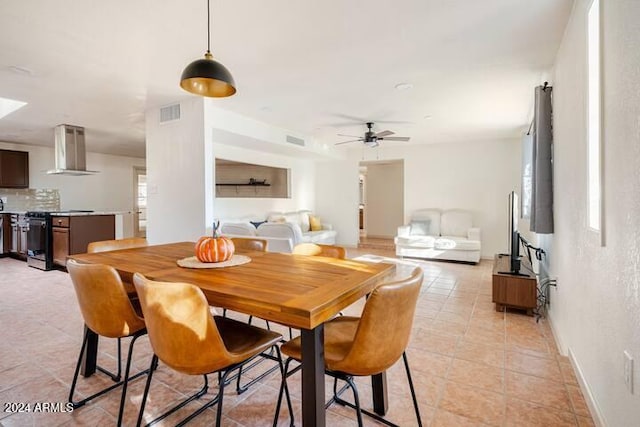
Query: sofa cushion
{"type": "Point", "coordinates": [420, 228]}
{"type": "Point", "coordinates": [314, 223]}
{"type": "Point", "coordinates": [457, 243]}
{"type": "Point", "coordinates": [286, 229]}
{"type": "Point", "coordinates": [305, 220]}
{"type": "Point", "coordinates": [238, 228]}
{"type": "Point", "coordinates": [455, 223]}
{"type": "Point", "coordinates": [431, 215]}
{"type": "Point", "coordinates": [416, 241]}
{"type": "Point", "coordinates": [326, 237]}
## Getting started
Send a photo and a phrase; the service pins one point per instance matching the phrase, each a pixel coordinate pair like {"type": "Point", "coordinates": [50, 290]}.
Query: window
{"type": "Point", "coordinates": [593, 116]}
{"type": "Point", "coordinates": [527, 176]}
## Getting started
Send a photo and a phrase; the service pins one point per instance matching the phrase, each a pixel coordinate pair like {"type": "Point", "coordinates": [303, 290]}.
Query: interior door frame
{"type": "Point", "coordinates": [137, 170]}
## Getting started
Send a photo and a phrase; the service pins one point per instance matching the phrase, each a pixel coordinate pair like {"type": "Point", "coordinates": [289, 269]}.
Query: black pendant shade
{"type": "Point", "coordinates": [208, 77]}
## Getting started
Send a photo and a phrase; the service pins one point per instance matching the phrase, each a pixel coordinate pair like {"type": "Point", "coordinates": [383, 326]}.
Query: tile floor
{"type": "Point", "coordinates": [471, 365]}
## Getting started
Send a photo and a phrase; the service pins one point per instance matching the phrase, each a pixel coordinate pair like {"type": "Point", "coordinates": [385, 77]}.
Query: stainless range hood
{"type": "Point", "coordinates": [70, 154]}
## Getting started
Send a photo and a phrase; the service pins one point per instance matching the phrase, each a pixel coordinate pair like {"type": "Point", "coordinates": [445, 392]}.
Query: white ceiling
{"type": "Point", "coordinates": [309, 66]}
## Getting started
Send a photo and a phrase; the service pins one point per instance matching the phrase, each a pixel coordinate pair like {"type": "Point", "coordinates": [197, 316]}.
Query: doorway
{"type": "Point", "coordinates": [381, 207]}
{"type": "Point", "coordinates": [139, 201]}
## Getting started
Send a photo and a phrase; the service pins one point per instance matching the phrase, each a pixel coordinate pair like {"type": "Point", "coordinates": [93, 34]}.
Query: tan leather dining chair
{"type": "Point", "coordinates": [106, 311]}
{"type": "Point", "coordinates": [248, 244]}
{"type": "Point", "coordinates": [314, 249]}
{"type": "Point", "coordinates": [188, 339]}
{"type": "Point", "coordinates": [366, 345]}
{"type": "Point", "coordinates": [113, 245]}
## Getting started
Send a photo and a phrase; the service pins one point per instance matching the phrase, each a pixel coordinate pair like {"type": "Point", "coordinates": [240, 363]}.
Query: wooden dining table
{"type": "Point", "coordinates": [298, 291]}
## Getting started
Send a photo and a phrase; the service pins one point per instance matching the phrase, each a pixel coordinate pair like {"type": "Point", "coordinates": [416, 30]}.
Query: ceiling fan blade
{"type": "Point", "coordinates": [355, 119]}
{"type": "Point", "coordinates": [350, 136]}
{"type": "Point", "coordinates": [384, 133]}
{"type": "Point", "coordinates": [396, 138]}
{"type": "Point", "coordinates": [346, 142]}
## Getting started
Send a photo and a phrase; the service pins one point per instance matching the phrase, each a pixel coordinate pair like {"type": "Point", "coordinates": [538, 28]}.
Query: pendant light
{"type": "Point", "coordinates": [208, 77]}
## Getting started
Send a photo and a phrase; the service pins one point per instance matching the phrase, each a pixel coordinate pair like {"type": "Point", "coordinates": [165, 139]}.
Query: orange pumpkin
{"type": "Point", "coordinates": [214, 248]}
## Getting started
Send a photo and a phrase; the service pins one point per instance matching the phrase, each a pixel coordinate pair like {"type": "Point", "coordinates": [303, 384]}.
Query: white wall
{"type": "Point", "coordinates": [337, 198]}
{"type": "Point", "coordinates": [595, 310]}
{"type": "Point", "coordinates": [384, 200]}
{"type": "Point", "coordinates": [301, 175]}
{"type": "Point", "coordinates": [474, 175]}
{"type": "Point", "coordinates": [177, 159]}
{"type": "Point", "coordinates": [181, 169]}
{"type": "Point", "coordinates": [109, 190]}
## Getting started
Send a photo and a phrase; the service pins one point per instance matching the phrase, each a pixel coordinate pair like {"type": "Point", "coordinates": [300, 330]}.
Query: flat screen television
{"type": "Point", "coordinates": [514, 236]}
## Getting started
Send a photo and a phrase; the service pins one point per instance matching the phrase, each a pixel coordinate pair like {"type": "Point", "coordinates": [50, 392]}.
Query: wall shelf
{"type": "Point", "coordinates": [255, 184]}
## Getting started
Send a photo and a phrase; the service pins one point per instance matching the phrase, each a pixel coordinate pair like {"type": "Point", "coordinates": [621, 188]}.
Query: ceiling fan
{"type": "Point", "coordinates": [372, 139]}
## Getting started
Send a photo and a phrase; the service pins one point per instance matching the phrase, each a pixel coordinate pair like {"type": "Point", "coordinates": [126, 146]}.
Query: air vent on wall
{"type": "Point", "coordinates": [170, 113]}
{"type": "Point", "coordinates": [294, 140]}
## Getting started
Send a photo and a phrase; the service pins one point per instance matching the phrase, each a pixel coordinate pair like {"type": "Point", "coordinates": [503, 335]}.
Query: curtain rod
{"type": "Point", "coordinates": [545, 86]}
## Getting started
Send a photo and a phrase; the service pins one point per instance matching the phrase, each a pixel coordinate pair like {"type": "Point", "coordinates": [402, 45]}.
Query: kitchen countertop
{"type": "Point", "coordinates": [12, 212]}
{"type": "Point", "coordinates": [90, 213]}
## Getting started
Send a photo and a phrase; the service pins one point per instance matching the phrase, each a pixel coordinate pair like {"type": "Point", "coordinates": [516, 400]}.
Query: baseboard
{"type": "Point", "coordinates": [559, 344]}
{"type": "Point", "coordinates": [594, 409]}
{"type": "Point", "coordinates": [596, 413]}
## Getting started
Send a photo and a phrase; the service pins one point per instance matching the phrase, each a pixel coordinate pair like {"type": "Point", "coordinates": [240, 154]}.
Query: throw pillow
{"type": "Point", "coordinates": [278, 219]}
{"type": "Point", "coordinates": [256, 224]}
{"type": "Point", "coordinates": [314, 223]}
{"type": "Point", "coordinates": [419, 228]}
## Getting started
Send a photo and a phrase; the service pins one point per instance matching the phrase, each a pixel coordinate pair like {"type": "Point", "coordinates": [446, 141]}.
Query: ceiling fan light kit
{"type": "Point", "coordinates": [372, 139]}
{"type": "Point", "coordinates": [208, 77]}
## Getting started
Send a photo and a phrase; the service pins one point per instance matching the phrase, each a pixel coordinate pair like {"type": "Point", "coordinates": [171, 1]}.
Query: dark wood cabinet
{"type": "Point", "coordinates": [14, 169]}
{"type": "Point", "coordinates": [72, 234]}
{"type": "Point", "coordinates": [5, 234]}
{"type": "Point", "coordinates": [60, 245]}
{"type": "Point", "coordinates": [514, 291]}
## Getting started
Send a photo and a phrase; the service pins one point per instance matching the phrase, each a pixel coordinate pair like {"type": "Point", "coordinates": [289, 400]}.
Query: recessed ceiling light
{"type": "Point", "coordinates": [427, 117]}
{"type": "Point", "coordinates": [23, 71]}
{"type": "Point", "coordinates": [403, 86]}
{"type": "Point", "coordinates": [8, 106]}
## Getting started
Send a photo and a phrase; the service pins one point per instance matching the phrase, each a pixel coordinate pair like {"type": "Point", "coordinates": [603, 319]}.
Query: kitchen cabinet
{"type": "Point", "coordinates": [72, 234]}
{"type": "Point", "coordinates": [5, 234]}
{"type": "Point", "coordinates": [14, 169]}
{"type": "Point", "coordinates": [19, 228]}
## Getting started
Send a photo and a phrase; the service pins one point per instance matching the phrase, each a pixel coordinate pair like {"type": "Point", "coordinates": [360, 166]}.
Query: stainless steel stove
{"type": "Point", "coordinates": [40, 238]}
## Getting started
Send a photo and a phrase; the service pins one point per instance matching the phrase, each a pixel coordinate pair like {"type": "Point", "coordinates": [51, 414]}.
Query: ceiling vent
{"type": "Point", "coordinates": [170, 113]}
{"type": "Point", "coordinates": [70, 154]}
{"type": "Point", "coordinates": [294, 140]}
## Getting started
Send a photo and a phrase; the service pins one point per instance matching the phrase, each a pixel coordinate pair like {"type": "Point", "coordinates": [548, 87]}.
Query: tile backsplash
{"type": "Point", "coordinates": [32, 199]}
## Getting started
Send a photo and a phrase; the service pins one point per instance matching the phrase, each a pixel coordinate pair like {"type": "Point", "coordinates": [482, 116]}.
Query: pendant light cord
{"type": "Point", "coordinates": [208, 28]}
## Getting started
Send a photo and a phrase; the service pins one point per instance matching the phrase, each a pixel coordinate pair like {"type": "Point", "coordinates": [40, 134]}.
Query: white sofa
{"type": "Point", "coordinates": [282, 231]}
{"type": "Point", "coordinates": [437, 234]}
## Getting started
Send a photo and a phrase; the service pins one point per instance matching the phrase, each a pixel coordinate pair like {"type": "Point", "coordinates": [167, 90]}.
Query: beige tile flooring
{"type": "Point", "coordinates": [471, 365]}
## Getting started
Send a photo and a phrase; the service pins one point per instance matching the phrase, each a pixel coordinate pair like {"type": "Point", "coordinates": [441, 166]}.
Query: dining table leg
{"type": "Point", "coordinates": [380, 398]}
{"type": "Point", "coordinates": [90, 357]}
{"type": "Point", "coordinates": [313, 411]}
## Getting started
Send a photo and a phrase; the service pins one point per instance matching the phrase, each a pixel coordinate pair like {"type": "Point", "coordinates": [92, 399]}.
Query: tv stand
{"type": "Point", "coordinates": [517, 290]}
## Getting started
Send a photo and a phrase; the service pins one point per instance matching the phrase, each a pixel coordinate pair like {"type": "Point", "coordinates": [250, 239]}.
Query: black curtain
{"type": "Point", "coordinates": [542, 163]}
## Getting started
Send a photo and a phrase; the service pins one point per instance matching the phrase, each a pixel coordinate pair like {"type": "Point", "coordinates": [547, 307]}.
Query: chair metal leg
{"type": "Point", "coordinates": [154, 362]}
{"type": "Point", "coordinates": [284, 389]}
{"type": "Point", "coordinates": [123, 383]}
{"type": "Point", "coordinates": [356, 400]}
{"type": "Point", "coordinates": [126, 376]}
{"type": "Point", "coordinates": [117, 376]}
{"type": "Point", "coordinates": [189, 399]}
{"type": "Point", "coordinates": [413, 392]}
{"type": "Point", "coordinates": [242, 388]}
{"type": "Point", "coordinates": [337, 399]}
